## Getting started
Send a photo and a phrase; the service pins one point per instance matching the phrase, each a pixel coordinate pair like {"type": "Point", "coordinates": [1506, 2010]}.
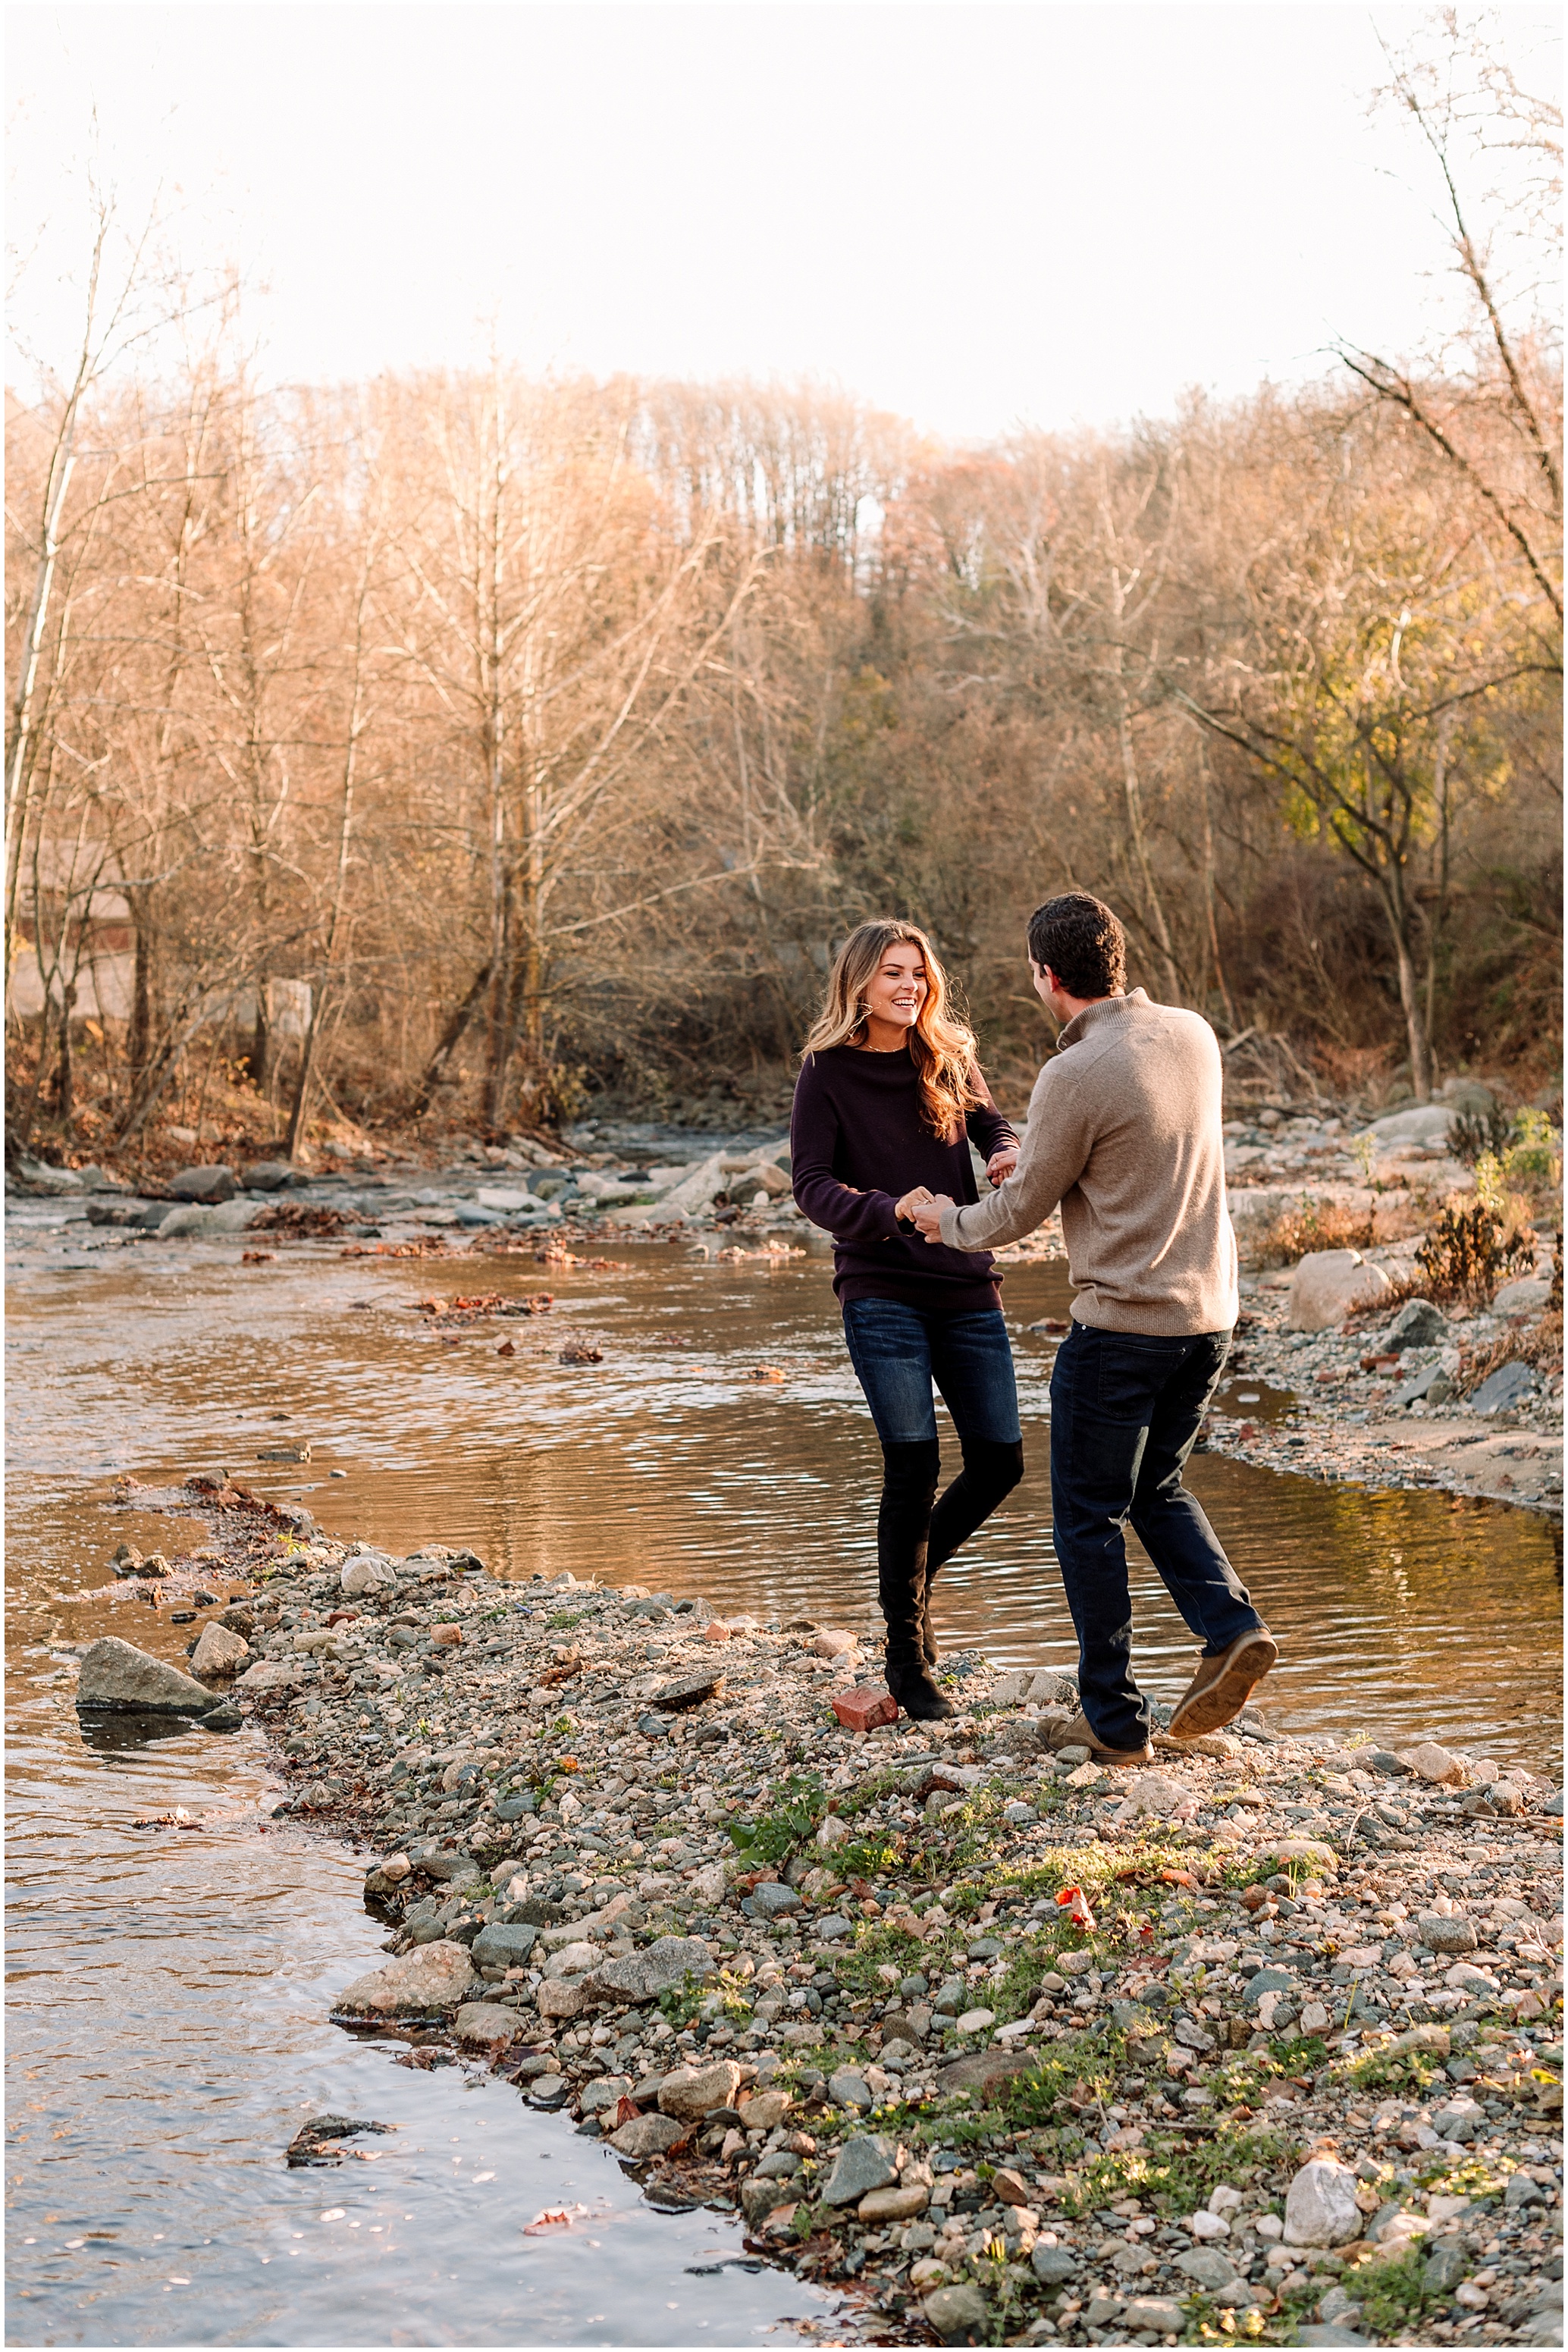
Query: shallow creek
{"type": "Point", "coordinates": [169, 1991]}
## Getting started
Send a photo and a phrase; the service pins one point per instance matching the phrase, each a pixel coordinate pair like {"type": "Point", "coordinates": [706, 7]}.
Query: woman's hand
{"type": "Point", "coordinates": [917, 1199]}
{"type": "Point", "coordinates": [1001, 1164]}
{"type": "Point", "coordinates": [928, 1217]}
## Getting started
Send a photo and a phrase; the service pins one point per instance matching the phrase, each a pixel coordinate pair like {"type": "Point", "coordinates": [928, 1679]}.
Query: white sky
{"type": "Point", "coordinates": [973, 215]}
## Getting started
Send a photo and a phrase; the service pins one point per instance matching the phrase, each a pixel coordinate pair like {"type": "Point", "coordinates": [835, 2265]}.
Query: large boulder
{"type": "Point", "coordinates": [643, 1976]}
{"type": "Point", "coordinates": [1321, 2207]}
{"type": "Point", "coordinates": [431, 1980]}
{"type": "Point", "coordinates": [1528, 1295]}
{"type": "Point", "coordinates": [206, 1184]}
{"type": "Point", "coordinates": [267, 1175]}
{"type": "Point", "coordinates": [116, 1674]}
{"type": "Point", "coordinates": [1326, 1285]}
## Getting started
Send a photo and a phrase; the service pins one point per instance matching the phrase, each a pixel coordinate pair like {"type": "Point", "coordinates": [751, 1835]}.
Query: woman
{"type": "Point", "coordinates": [888, 1098]}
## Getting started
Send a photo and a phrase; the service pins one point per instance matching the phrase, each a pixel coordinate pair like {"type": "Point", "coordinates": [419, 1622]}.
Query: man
{"type": "Point", "coordinates": [1124, 1134]}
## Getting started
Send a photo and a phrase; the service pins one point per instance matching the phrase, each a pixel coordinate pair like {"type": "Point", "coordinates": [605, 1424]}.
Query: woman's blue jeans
{"type": "Point", "coordinates": [898, 1351]}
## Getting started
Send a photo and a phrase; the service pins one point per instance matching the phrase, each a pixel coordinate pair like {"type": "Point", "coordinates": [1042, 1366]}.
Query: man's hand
{"type": "Point", "coordinates": [1001, 1164]}
{"type": "Point", "coordinates": [929, 1218]}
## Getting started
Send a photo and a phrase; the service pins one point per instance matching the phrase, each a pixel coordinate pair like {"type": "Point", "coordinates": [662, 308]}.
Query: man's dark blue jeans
{"type": "Point", "coordinates": [1125, 1409]}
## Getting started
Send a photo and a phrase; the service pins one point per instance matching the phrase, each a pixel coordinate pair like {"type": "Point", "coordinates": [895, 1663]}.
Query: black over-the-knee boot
{"type": "Point", "coordinates": [903, 1518]}
{"type": "Point", "coordinates": [990, 1472]}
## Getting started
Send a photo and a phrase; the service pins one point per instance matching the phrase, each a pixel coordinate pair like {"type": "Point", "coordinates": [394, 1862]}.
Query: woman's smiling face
{"type": "Point", "coordinates": [897, 987]}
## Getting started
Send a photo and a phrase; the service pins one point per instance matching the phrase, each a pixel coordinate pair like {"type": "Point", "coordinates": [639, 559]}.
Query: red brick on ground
{"type": "Point", "coordinates": [863, 1709]}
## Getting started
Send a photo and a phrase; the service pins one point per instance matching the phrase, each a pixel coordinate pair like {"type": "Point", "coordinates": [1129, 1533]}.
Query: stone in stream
{"type": "Point", "coordinates": [427, 1981]}
{"type": "Point", "coordinates": [218, 1652]}
{"type": "Point", "coordinates": [267, 1175]}
{"type": "Point", "coordinates": [208, 1185]}
{"type": "Point", "coordinates": [115, 1675]}
{"type": "Point", "coordinates": [485, 2023]}
{"type": "Point", "coordinates": [195, 1222]}
{"type": "Point", "coordinates": [649, 2135]}
{"type": "Point", "coordinates": [318, 2142]}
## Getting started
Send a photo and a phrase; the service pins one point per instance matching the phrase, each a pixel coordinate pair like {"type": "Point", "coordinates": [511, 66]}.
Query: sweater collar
{"type": "Point", "coordinates": [1095, 1015]}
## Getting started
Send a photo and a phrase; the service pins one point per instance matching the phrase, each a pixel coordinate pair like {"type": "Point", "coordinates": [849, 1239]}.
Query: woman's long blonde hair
{"type": "Point", "coordinates": [940, 1046]}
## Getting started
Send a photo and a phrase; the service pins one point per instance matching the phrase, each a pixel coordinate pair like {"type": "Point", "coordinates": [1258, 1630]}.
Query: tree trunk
{"type": "Point", "coordinates": [1220, 982]}
{"type": "Point", "coordinates": [1410, 997]}
{"type": "Point", "coordinates": [65, 1071]}
{"type": "Point", "coordinates": [458, 1022]}
{"type": "Point", "coordinates": [143, 991]}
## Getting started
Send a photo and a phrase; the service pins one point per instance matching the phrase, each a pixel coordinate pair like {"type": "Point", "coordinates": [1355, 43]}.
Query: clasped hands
{"type": "Point", "coordinates": [923, 1209]}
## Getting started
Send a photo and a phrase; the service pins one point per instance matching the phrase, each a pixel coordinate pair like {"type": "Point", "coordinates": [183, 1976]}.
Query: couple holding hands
{"type": "Point", "coordinates": [1123, 1133]}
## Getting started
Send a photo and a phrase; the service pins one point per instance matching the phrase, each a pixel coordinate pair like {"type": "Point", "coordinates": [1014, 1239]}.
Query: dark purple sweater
{"type": "Point", "coordinates": [857, 1144]}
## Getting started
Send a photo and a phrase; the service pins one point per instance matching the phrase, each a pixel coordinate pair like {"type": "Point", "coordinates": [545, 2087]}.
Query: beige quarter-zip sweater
{"type": "Point", "coordinates": [1124, 1133]}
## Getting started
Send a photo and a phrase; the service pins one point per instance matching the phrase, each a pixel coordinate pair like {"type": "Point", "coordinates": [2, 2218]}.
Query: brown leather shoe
{"type": "Point", "coordinates": [1073, 1731]}
{"type": "Point", "coordinates": [1222, 1685]}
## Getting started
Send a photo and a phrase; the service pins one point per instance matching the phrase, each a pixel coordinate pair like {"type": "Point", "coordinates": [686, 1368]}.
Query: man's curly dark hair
{"type": "Point", "coordinates": [1083, 943]}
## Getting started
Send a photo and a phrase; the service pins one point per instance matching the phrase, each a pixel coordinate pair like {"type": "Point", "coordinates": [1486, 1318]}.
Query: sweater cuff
{"type": "Point", "coordinates": [949, 1229]}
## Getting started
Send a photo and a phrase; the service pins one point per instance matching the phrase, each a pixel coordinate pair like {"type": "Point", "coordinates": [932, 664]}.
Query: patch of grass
{"type": "Point", "coordinates": [1176, 2176]}
{"type": "Point", "coordinates": [681, 2004]}
{"type": "Point", "coordinates": [1475, 2178]}
{"type": "Point", "coordinates": [878, 1947]}
{"type": "Point", "coordinates": [771, 1837]}
{"type": "Point", "coordinates": [1395, 2070]}
{"type": "Point", "coordinates": [561, 1619]}
{"type": "Point", "coordinates": [1311, 1224]}
{"type": "Point", "coordinates": [1391, 2295]}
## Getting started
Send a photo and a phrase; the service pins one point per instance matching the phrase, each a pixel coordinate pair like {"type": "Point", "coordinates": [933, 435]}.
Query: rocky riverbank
{"type": "Point", "coordinates": [1262, 2043]}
